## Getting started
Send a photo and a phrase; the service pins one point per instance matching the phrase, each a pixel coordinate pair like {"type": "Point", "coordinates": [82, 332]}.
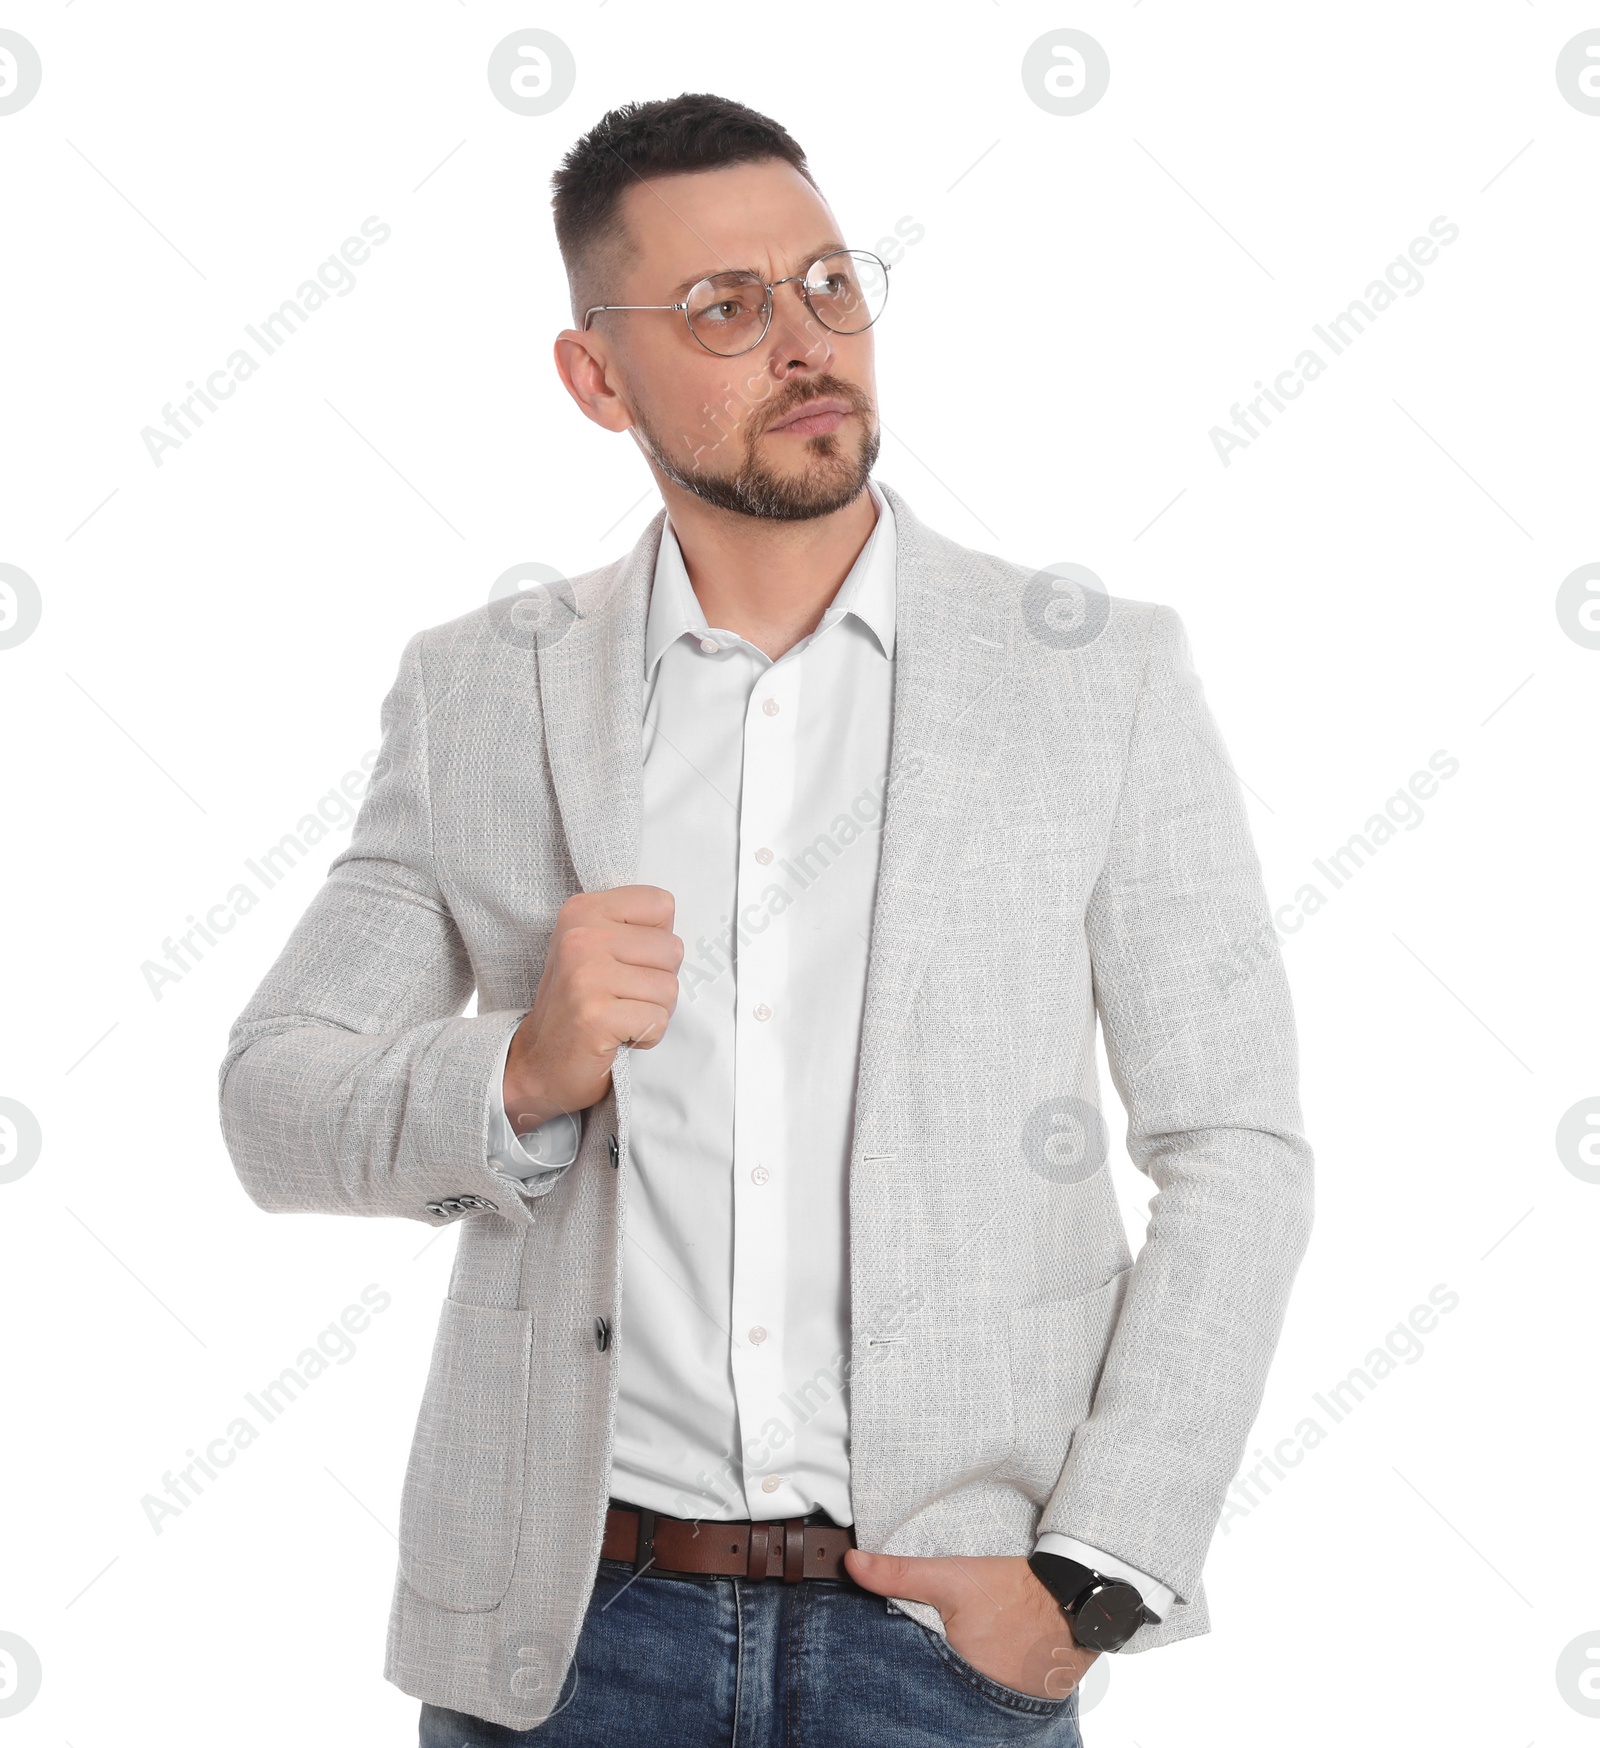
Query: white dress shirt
{"type": "Point", "coordinates": [762, 806]}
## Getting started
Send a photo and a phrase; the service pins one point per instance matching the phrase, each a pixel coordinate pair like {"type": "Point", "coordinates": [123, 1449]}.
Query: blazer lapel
{"type": "Point", "coordinates": [591, 686]}
{"type": "Point", "coordinates": [952, 659]}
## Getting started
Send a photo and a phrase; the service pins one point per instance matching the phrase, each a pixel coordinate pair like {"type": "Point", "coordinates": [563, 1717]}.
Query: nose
{"type": "Point", "coordinates": [797, 340]}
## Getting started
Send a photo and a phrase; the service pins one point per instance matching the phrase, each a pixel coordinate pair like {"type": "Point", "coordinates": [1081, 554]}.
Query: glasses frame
{"type": "Point", "coordinates": [799, 279]}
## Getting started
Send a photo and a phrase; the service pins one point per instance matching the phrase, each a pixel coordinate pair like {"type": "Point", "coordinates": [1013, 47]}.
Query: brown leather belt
{"type": "Point", "coordinates": [788, 1548]}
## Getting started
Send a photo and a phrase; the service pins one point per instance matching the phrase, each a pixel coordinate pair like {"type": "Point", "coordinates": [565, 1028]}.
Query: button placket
{"type": "Point", "coordinates": [761, 1237]}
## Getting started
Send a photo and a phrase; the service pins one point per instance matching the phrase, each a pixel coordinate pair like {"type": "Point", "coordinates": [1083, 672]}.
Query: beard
{"type": "Point", "coordinates": [834, 472]}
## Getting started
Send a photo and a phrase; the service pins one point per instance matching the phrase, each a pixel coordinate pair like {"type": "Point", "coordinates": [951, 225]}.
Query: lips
{"type": "Point", "coordinates": [813, 419]}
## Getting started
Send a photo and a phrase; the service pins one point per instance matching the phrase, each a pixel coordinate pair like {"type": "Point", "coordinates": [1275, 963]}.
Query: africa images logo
{"type": "Point", "coordinates": [20, 72]}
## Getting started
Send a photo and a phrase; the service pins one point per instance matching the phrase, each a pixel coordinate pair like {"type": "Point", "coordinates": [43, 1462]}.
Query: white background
{"type": "Point", "coordinates": [1372, 580]}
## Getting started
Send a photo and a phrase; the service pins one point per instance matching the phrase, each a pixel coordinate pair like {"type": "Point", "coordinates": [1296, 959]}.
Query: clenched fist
{"type": "Point", "coordinates": [610, 978]}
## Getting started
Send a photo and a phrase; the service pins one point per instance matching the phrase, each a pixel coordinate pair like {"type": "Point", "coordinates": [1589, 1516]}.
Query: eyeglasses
{"type": "Point", "coordinates": [729, 313]}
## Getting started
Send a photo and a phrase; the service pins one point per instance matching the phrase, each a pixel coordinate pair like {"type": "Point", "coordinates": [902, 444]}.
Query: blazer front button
{"type": "Point", "coordinates": [602, 1334]}
{"type": "Point", "coordinates": [613, 1150]}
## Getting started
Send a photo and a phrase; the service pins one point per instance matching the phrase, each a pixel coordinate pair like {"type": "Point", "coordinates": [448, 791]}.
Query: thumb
{"type": "Point", "coordinates": [918, 1580]}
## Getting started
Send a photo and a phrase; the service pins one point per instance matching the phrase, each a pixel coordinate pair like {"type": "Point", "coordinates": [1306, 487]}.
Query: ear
{"type": "Point", "coordinates": [585, 373]}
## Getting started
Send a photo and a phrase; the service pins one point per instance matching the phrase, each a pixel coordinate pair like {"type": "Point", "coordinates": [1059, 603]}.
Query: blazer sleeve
{"type": "Point", "coordinates": [1200, 1038]}
{"type": "Point", "coordinates": [352, 1084]}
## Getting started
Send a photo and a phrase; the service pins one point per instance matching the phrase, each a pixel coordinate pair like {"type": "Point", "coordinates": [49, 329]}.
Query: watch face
{"type": "Point", "coordinates": [1108, 1617]}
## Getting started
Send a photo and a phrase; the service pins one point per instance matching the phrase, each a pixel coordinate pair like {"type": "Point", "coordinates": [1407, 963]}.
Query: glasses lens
{"type": "Point", "coordinates": [847, 290]}
{"type": "Point", "coordinates": [728, 312]}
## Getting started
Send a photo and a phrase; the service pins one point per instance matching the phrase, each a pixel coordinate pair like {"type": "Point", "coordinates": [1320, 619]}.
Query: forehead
{"type": "Point", "coordinates": [763, 216]}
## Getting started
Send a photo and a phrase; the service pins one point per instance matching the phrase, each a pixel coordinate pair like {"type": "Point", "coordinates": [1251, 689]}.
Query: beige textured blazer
{"type": "Point", "coordinates": [1063, 837]}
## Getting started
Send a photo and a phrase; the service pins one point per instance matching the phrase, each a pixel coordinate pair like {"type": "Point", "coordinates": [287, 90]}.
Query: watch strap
{"type": "Point", "coordinates": [1066, 1580]}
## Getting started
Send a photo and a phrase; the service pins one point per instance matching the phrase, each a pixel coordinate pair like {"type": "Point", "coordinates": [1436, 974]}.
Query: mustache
{"type": "Point", "coordinates": [794, 394]}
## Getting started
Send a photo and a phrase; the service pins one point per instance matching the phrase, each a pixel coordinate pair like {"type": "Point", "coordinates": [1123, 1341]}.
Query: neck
{"type": "Point", "coordinates": [768, 582]}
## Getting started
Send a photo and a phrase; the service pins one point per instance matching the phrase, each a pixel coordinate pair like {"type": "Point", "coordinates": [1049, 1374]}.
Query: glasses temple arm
{"type": "Point", "coordinates": [600, 308]}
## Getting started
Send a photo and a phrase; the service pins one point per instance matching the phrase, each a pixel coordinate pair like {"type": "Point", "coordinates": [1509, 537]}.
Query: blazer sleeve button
{"type": "Point", "coordinates": [602, 1334]}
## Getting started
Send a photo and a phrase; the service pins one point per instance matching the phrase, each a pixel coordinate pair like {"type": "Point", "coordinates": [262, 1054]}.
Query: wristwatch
{"type": "Point", "coordinates": [1104, 1612]}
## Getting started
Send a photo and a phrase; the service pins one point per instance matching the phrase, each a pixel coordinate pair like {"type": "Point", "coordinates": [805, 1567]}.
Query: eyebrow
{"type": "Point", "coordinates": [830, 248]}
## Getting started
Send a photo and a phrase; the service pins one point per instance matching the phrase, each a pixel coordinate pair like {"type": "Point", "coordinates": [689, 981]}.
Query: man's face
{"type": "Point", "coordinates": [786, 431]}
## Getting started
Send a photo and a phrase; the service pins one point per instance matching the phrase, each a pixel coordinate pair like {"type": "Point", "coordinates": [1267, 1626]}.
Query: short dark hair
{"type": "Point", "coordinates": [639, 142]}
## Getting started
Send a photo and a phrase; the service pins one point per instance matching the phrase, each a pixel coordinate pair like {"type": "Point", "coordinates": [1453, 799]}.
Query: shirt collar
{"type": "Point", "coordinates": [867, 592]}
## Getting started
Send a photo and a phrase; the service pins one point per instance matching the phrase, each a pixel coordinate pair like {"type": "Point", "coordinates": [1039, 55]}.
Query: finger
{"type": "Point", "coordinates": [595, 949]}
{"type": "Point", "coordinates": [906, 1575]}
{"type": "Point", "coordinates": [636, 944]}
{"type": "Point", "coordinates": [631, 983]}
{"type": "Point", "coordinates": [639, 1025]}
{"type": "Point", "coordinates": [650, 906]}
{"type": "Point", "coordinates": [585, 938]}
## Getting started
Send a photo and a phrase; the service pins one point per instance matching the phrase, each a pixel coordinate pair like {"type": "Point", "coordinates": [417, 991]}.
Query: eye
{"type": "Point", "coordinates": [837, 285]}
{"type": "Point", "coordinates": [725, 302]}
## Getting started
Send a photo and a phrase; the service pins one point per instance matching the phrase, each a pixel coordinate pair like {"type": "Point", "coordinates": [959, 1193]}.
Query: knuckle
{"type": "Point", "coordinates": [582, 943]}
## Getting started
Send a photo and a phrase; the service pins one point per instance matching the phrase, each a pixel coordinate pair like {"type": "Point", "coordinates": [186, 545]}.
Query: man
{"type": "Point", "coordinates": [794, 1381]}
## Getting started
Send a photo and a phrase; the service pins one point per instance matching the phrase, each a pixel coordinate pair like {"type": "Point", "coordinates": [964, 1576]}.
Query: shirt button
{"type": "Point", "coordinates": [769, 707]}
{"type": "Point", "coordinates": [763, 857]}
{"type": "Point", "coordinates": [762, 1011]}
{"type": "Point", "coordinates": [758, 1335]}
{"type": "Point", "coordinates": [709, 645]}
{"type": "Point", "coordinates": [772, 1483]}
{"type": "Point", "coordinates": [760, 1175]}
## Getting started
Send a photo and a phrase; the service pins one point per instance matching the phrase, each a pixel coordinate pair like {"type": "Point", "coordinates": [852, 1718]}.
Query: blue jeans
{"type": "Point", "coordinates": [682, 1662]}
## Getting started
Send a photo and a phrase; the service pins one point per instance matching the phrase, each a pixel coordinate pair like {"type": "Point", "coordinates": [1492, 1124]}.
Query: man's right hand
{"type": "Point", "coordinates": [610, 978]}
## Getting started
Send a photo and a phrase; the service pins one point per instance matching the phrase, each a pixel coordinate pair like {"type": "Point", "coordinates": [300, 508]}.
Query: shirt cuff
{"type": "Point", "coordinates": [1158, 1597]}
{"type": "Point", "coordinates": [534, 1160]}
